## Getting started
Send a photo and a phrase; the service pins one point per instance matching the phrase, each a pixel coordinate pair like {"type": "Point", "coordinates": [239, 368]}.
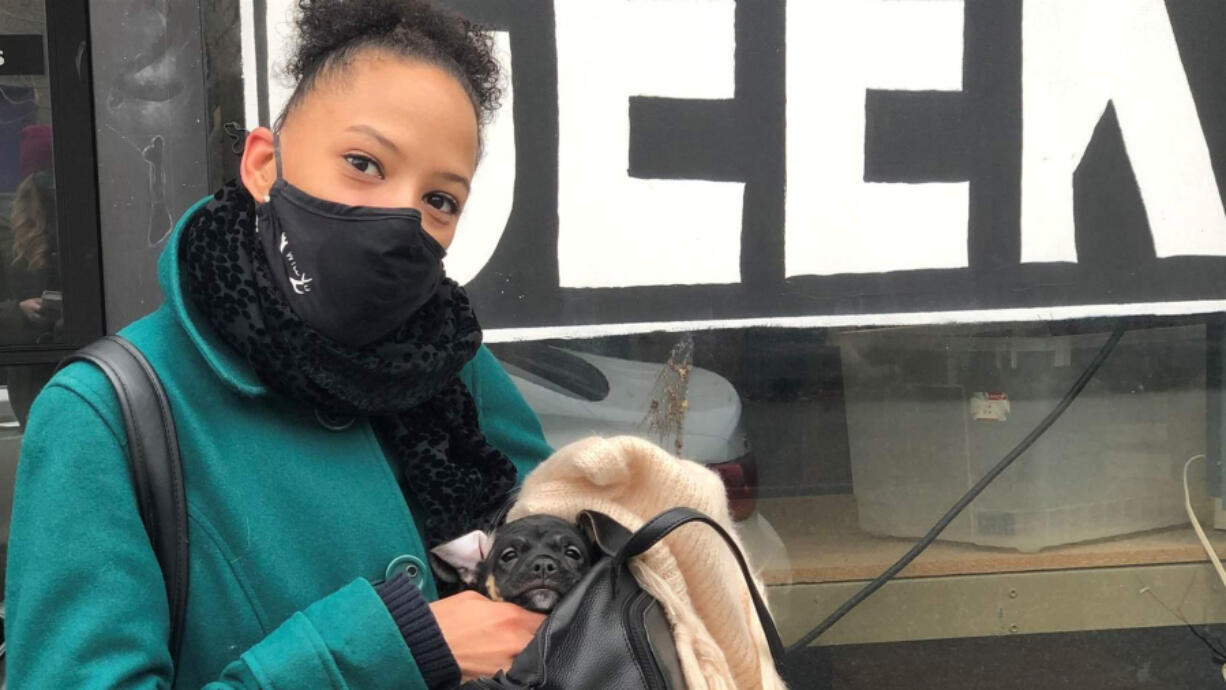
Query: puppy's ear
{"type": "Point", "coordinates": [604, 535]}
{"type": "Point", "coordinates": [459, 560]}
{"type": "Point", "coordinates": [593, 549]}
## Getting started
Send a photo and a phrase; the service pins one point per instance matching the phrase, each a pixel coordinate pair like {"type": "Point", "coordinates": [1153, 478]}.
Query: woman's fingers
{"type": "Point", "coordinates": [484, 635]}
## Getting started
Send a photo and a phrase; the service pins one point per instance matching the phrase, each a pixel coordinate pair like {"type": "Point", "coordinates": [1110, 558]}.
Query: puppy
{"type": "Point", "coordinates": [532, 561]}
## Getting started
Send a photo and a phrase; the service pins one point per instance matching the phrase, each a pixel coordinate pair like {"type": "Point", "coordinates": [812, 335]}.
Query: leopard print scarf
{"type": "Point", "coordinates": [407, 384]}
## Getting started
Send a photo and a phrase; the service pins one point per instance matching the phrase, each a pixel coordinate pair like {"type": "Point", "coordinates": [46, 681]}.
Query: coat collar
{"type": "Point", "coordinates": [229, 366]}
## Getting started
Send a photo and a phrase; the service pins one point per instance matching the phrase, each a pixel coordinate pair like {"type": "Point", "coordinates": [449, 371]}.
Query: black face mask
{"type": "Point", "coordinates": [353, 273]}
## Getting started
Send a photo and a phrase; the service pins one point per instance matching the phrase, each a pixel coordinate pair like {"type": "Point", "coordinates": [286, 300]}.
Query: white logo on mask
{"type": "Point", "coordinates": [299, 281]}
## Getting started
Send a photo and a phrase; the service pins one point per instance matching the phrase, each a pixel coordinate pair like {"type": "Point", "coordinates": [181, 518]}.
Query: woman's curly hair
{"type": "Point", "coordinates": [332, 32]}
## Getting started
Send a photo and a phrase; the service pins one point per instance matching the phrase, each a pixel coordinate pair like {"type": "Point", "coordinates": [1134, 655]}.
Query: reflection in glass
{"type": "Point", "coordinates": [32, 308]}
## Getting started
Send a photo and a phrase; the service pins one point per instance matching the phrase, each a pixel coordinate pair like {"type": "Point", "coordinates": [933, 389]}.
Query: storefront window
{"type": "Point", "coordinates": [50, 297]}
{"type": "Point", "coordinates": [31, 307]}
{"type": "Point", "coordinates": [840, 448]}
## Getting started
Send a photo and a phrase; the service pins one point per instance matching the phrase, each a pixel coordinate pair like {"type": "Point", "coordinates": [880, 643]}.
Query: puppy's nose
{"type": "Point", "coordinates": [544, 566]}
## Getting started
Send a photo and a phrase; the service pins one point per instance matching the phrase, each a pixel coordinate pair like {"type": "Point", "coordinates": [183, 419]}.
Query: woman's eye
{"type": "Point", "coordinates": [574, 554]}
{"type": "Point", "coordinates": [508, 556]}
{"type": "Point", "coordinates": [443, 203]}
{"type": "Point", "coordinates": [364, 165]}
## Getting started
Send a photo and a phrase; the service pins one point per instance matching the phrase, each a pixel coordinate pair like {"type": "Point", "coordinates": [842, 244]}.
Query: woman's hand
{"type": "Point", "coordinates": [483, 634]}
{"type": "Point", "coordinates": [33, 311]}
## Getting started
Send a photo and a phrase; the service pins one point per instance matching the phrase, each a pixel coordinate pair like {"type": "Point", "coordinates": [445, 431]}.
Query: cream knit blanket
{"type": "Point", "coordinates": [692, 573]}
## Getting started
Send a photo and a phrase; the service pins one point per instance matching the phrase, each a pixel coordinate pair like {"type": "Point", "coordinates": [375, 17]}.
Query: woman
{"type": "Point", "coordinates": [336, 416]}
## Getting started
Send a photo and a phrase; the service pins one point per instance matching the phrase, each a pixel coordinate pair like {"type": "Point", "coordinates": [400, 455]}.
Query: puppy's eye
{"type": "Point", "coordinates": [573, 553]}
{"type": "Point", "coordinates": [508, 556]}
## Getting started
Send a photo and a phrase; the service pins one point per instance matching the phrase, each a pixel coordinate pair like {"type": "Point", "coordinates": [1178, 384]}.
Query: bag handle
{"type": "Point", "coordinates": [663, 524]}
{"type": "Point", "coordinates": [153, 457]}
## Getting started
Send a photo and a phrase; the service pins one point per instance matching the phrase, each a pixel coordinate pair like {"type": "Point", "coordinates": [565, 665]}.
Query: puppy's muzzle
{"type": "Point", "coordinates": [541, 584]}
{"type": "Point", "coordinates": [544, 566]}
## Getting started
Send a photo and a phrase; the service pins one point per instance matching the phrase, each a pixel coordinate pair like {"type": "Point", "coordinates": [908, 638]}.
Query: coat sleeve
{"type": "Point", "coordinates": [86, 604]}
{"type": "Point", "coordinates": [506, 420]}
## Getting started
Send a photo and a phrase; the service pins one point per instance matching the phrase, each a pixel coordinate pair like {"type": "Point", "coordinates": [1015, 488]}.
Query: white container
{"type": "Point", "coordinates": [929, 414]}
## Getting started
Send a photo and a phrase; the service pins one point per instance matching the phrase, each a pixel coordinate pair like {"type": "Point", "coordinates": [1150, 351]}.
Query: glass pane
{"type": "Point", "coordinates": [31, 304]}
{"type": "Point", "coordinates": [839, 450]}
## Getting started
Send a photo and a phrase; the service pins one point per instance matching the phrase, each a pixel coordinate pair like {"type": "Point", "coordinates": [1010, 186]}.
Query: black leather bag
{"type": "Point", "coordinates": [609, 633]}
{"type": "Point", "coordinates": [153, 459]}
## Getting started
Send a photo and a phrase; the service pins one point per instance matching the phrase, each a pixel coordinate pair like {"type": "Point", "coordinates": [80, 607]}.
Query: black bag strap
{"type": "Point", "coordinates": [153, 457]}
{"type": "Point", "coordinates": [663, 524]}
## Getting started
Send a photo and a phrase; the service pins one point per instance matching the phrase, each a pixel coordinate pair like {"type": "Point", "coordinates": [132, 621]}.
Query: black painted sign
{"type": "Point", "coordinates": [21, 54]}
{"type": "Point", "coordinates": [856, 161]}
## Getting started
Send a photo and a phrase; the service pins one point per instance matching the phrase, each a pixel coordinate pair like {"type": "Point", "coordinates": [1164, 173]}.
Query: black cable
{"type": "Point", "coordinates": [963, 502]}
{"type": "Point", "coordinates": [1218, 655]}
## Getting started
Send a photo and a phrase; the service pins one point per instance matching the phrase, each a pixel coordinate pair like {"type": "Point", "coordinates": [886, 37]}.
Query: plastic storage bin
{"type": "Point", "coordinates": [929, 414]}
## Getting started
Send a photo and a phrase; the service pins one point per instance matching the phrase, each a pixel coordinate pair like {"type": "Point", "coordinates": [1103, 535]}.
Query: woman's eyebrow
{"type": "Point", "coordinates": [456, 177]}
{"type": "Point", "coordinates": [374, 134]}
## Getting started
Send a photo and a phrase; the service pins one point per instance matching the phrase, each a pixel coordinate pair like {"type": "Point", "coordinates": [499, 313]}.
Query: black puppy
{"type": "Point", "coordinates": [532, 561]}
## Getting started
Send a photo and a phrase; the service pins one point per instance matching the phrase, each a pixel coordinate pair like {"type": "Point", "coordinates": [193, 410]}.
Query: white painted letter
{"type": "Point", "coordinates": [618, 231]}
{"type": "Point", "coordinates": [836, 222]}
{"type": "Point", "coordinates": [1077, 56]}
{"type": "Point", "coordinates": [489, 206]}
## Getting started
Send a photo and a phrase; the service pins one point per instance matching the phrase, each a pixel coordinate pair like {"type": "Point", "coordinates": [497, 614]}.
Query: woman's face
{"type": "Point", "coordinates": [382, 131]}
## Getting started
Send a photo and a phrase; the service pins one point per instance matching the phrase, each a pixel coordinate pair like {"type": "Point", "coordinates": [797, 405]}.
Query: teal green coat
{"type": "Point", "coordinates": [289, 526]}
